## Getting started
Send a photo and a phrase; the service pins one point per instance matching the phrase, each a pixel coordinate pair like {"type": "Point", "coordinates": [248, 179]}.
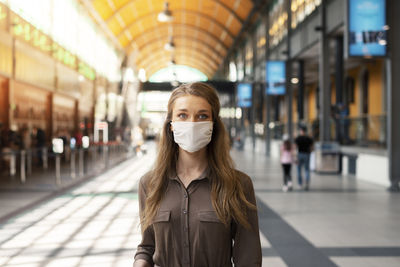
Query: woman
{"type": "Point", "coordinates": [195, 208]}
{"type": "Point", "coordinates": [286, 162]}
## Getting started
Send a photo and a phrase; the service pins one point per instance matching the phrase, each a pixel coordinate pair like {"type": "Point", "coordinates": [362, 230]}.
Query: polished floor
{"type": "Point", "coordinates": [339, 222]}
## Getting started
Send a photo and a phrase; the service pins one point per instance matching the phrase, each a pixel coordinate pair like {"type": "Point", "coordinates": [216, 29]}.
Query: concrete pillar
{"type": "Point", "coordinates": [339, 82]}
{"type": "Point", "coordinates": [289, 91]}
{"type": "Point", "coordinates": [324, 85]}
{"type": "Point", "coordinates": [394, 95]}
{"type": "Point", "coordinates": [301, 90]}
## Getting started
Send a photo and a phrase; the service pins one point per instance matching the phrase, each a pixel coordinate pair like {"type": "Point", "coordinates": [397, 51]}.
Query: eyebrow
{"type": "Point", "coordinates": [201, 110]}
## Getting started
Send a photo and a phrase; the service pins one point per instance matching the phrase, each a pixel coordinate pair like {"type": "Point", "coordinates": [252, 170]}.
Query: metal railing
{"type": "Point", "coordinates": [74, 163]}
{"type": "Point", "coordinates": [368, 130]}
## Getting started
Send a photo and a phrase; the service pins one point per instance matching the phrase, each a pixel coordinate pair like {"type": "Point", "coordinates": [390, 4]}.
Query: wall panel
{"type": "Point", "coordinates": [64, 114]}
{"type": "Point", "coordinates": [4, 101]}
{"type": "Point", "coordinates": [30, 106]}
{"type": "Point", "coordinates": [34, 66]}
{"type": "Point", "coordinates": [5, 53]}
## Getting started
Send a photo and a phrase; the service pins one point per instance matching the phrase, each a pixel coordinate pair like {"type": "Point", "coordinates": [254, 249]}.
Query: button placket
{"type": "Point", "coordinates": [185, 227]}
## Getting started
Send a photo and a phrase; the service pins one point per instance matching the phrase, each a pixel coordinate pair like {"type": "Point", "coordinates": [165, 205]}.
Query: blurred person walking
{"type": "Point", "coordinates": [286, 158]}
{"type": "Point", "coordinates": [195, 208]}
{"type": "Point", "coordinates": [40, 143]}
{"type": "Point", "coordinates": [304, 145]}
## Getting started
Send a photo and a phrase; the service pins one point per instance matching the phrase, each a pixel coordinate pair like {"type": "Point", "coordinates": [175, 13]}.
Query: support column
{"type": "Point", "coordinates": [289, 91]}
{"type": "Point", "coordinates": [324, 85]}
{"type": "Point", "coordinates": [394, 95]}
{"type": "Point", "coordinates": [339, 82]}
{"type": "Point", "coordinates": [301, 89]}
{"type": "Point", "coordinates": [268, 121]}
{"type": "Point", "coordinates": [253, 115]}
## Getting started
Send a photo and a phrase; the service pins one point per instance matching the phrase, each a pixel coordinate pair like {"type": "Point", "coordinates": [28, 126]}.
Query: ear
{"type": "Point", "coordinates": [170, 127]}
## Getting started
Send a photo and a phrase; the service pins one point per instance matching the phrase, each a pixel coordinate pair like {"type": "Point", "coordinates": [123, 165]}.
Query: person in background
{"type": "Point", "coordinates": [195, 208]}
{"type": "Point", "coordinates": [286, 158]}
{"type": "Point", "coordinates": [304, 145]}
{"type": "Point", "coordinates": [40, 143]}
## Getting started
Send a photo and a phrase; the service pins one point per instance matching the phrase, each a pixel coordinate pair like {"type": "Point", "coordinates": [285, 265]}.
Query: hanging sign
{"type": "Point", "coordinates": [276, 77]}
{"type": "Point", "coordinates": [367, 28]}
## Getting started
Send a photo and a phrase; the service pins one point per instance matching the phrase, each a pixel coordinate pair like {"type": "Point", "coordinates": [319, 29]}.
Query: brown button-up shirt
{"type": "Point", "coordinates": [186, 231]}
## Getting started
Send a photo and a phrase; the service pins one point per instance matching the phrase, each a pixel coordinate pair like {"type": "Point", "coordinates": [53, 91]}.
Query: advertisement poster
{"type": "Point", "coordinates": [244, 95]}
{"type": "Point", "coordinates": [367, 28]}
{"type": "Point", "coordinates": [276, 77]}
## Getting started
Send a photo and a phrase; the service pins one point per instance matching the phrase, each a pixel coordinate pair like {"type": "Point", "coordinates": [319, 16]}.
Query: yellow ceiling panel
{"type": "Point", "coordinates": [115, 25]}
{"type": "Point", "coordinates": [190, 62]}
{"type": "Point", "coordinates": [180, 52]}
{"type": "Point", "coordinates": [203, 30]}
{"type": "Point", "coordinates": [124, 40]}
{"type": "Point", "coordinates": [180, 43]}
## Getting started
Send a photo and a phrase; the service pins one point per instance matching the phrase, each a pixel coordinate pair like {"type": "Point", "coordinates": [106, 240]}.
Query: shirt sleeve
{"type": "Point", "coordinates": [145, 249]}
{"type": "Point", "coordinates": [247, 246]}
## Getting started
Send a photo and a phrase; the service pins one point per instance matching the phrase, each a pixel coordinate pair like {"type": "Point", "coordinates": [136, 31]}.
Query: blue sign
{"type": "Point", "coordinates": [244, 95]}
{"type": "Point", "coordinates": [276, 77]}
{"type": "Point", "coordinates": [367, 28]}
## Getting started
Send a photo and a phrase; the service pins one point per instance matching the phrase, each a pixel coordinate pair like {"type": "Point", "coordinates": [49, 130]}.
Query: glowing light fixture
{"type": "Point", "coordinates": [170, 46]}
{"type": "Point", "coordinates": [166, 14]}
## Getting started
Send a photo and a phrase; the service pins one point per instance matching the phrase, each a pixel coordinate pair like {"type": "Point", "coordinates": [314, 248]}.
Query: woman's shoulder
{"type": "Point", "coordinates": [145, 179]}
{"type": "Point", "coordinates": [244, 179]}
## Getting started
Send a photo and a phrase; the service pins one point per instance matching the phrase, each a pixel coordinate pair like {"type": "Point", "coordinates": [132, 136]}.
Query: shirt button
{"type": "Point", "coordinates": [185, 195]}
{"type": "Point", "coordinates": [184, 211]}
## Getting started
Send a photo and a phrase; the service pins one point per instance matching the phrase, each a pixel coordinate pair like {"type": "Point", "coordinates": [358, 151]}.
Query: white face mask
{"type": "Point", "coordinates": [192, 136]}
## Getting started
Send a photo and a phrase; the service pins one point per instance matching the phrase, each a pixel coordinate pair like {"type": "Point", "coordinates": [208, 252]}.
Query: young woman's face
{"type": "Point", "coordinates": [191, 108]}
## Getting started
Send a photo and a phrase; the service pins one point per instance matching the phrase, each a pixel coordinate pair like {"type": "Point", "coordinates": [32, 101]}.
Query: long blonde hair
{"type": "Point", "coordinates": [227, 196]}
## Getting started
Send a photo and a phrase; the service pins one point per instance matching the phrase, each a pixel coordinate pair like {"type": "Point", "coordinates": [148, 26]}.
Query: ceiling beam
{"type": "Point", "coordinates": [192, 53]}
{"type": "Point", "coordinates": [224, 6]}
{"type": "Point", "coordinates": [159, 28]}
{"type": "Point", "coordinates": [196, 13]}
{"type": "Point", "coordinates": [182, 57]}
{"type": "Point", "coordinates": [144, 55]}
{"type": "Point", "coordinates": [193, 63]}
{"type": "Point", "coordinates": [180, 36]}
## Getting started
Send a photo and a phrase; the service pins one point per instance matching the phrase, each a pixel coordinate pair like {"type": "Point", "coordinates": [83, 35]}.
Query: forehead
{"type": "Point", "coordinates": [191, 103]}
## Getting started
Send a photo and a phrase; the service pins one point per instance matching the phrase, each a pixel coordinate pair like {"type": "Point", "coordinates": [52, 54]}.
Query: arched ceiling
{"type": "Point", "coordinates": [202, 30]}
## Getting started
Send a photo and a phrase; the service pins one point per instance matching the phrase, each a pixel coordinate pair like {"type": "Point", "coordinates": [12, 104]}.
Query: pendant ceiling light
{"type": "Point", "coordinates": [166, 14]}
{"type": "Point", "coordinates": [170, 46]}
{"type": "Point", "coordinates": [172, 62]}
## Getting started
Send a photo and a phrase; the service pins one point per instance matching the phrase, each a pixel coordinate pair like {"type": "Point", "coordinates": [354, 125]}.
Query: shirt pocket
{"type": "Point", "coordinates": [214, 237]}
{"type": "Point", "coordinates": [162, 225]}
{"type": "Point", "coordinates": [208, 216]}
{"type": "Point", "coordinates": [162, 216]}
{"type": "Point", "coordinates": [163, 237]}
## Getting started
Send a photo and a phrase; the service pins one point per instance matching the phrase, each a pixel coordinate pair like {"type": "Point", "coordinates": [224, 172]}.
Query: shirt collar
{"type": "Point", "coordinates": [205, 174]}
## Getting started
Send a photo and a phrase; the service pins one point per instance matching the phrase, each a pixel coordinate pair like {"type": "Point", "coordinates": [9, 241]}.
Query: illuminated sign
{"type": "Point", "coordinates": [276, 77]}
{"type": "Point", "coordinates": [64, 56]}
{"type": "Point", "coordinates": [58, 145]}
{"type": "Point", "coordinates": [28, 33]}
{"type": "Point", "coordinates": [72, 143]}
{"type": "Point", "coordinates": [85, 141]}
{"type": "Point", "coordinates": [244, 95]}
{"type": "Point", "coordinates": [86, 71]}
{"type": "Point", "coordinates": [367, 28]}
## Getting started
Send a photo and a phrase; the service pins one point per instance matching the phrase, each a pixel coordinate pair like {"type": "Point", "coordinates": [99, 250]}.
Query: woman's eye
{"type": "Point", "coordinates": [203, 116]}
{"type": "Point", "coordinates": [182, 116]}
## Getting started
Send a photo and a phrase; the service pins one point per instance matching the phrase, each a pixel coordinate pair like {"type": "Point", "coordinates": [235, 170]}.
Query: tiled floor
{"type": "Point", "coordinates": [339, 222]}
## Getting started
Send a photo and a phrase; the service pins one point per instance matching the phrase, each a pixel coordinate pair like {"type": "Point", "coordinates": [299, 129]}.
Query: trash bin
{"type": "Point", "coordinates": [327, 157]}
